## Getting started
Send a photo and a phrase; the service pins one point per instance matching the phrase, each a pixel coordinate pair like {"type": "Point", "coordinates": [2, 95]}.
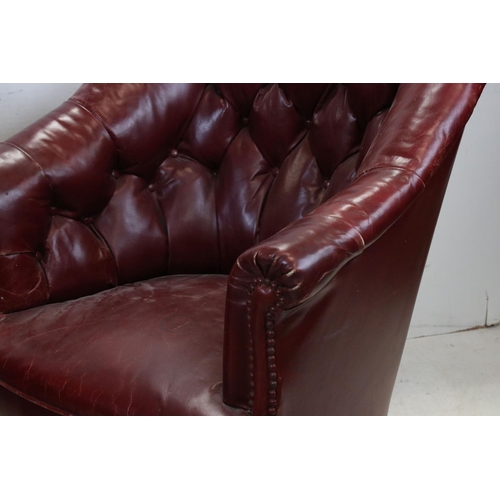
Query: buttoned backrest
{"type": "Point", "coordinates": [125, 182]}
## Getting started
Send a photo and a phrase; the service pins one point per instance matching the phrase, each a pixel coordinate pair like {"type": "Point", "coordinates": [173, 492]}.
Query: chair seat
{"type": "Point", "coordinates": [150, 348]}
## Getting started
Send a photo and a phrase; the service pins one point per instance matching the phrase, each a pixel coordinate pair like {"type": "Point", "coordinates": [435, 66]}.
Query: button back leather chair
{"type": "Point", "coordinates": [192, 249]}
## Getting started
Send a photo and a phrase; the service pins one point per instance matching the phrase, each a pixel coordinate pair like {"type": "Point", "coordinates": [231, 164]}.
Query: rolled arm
{"type": "Point", "coordinates": [291, 267]}
{"type": "Point", "coordinates": [420, 128]}
{"type": "Point", "coordinates": [300, 259]}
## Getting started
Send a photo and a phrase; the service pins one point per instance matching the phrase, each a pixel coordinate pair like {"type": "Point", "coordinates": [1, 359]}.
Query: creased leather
{"type": "Point", "coordinates": [132, 350]}
{"type": "Point", "coordinates": [417, 135]}
{"type": "Point", "coordinates": [287, 188]}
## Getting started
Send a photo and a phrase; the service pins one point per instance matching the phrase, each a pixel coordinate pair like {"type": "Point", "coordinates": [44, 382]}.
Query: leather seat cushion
{"type": "Point", "coordinates": [150, 348]}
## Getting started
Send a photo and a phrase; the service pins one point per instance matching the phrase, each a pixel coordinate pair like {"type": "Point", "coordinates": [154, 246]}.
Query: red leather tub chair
{"type": "Point", "coordinates": [243, 249]}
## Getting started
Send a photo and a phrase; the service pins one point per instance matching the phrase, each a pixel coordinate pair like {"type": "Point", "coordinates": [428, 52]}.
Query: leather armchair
{"type": "Point", "coordinates": [221, 249]}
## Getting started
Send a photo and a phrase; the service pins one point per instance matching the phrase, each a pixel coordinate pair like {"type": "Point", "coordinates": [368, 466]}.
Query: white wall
{"type": "Point", "coordinates": [22, 103]}
{"type": "Point", "coordinates": [464, 261]}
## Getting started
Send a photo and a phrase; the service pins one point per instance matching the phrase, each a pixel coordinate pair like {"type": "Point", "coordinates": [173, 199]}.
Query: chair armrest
{"type": "Point", "coordinates": [59, 174]}
{"type": "Point", "coordinates": [291, 267]}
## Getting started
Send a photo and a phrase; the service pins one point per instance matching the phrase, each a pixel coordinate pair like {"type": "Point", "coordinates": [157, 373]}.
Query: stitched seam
{"type": "Point", "coordinates": [381, 167]}
{"type": "Point", "coordinates": [162, 216]}
{"type": "Point", "coordinates": [35, 162]}
{"type": "Point", "coordinates": [349, 225]}
{"type": "Point", "coordinates": [268, 192]}
{"type": "Point", "coordinates": [260, 215]}
{"type": "Point", "coordinates": [109, 132]}
{"type": "Point", "coordinates": [38, 262]}
{"type": "Point", "coordinates": [215, 185]}
{"type": "Point", "coordinates": [51, 187]}
{"type": "Point", "coordinates": [217, 230]}
{"type": "Point", "coordinates": [163, 223]}
{"type": "Point", "coordinates": [188, 122]}
{"type": "Point", "coordinates": [101, 237]}
{"type": "Point", "coordinates": [35, 401]}
{"type": "Point", "coordinates": [96, 117]}
{"type": "Point", "coordinates": [46, 276]}
{"type": "Point", "coordinates": [357, 207]}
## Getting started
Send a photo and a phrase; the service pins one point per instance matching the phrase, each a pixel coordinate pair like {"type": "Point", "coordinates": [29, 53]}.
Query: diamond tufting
{"type": "Point", "coordinates": [235, 162]}
{"type": "Point", "coordinates": [302, 214]}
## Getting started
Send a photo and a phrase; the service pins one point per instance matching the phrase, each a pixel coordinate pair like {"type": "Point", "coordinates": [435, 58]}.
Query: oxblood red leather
{"type": "Point", "coordinates": [125, 351]}
{"type": "Point", "coordinates": [318, 200]}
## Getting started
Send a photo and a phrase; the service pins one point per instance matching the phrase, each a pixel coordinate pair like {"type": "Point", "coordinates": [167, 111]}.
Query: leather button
{"type": "Point", "coordinates": [326, 184]}
{"type": "Point", "coordinates": [308, 123]}
{"type": "Point", "coordinates": [151, 188]}
{"type": "Point", "coordinates": [244, 121]}
{"type": "Point", "coordinates": [115, 174]}
{"type": "Point", "coordinates": [215, 173]}
{"type": "Point", "coordinates": [88, 221]}
{"type": "Point", "coordinates": [275, 171]}
{"type": "Point", "coordinates": [174, 153]}
{"type": "Point", "coordinates": [53, 210]}
{"type": "Point", "coordinates": [38, 256]}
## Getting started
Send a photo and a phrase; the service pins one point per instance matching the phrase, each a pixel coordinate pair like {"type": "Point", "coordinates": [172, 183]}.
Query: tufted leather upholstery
{"type": "Point", "coordinates": [280, 185]}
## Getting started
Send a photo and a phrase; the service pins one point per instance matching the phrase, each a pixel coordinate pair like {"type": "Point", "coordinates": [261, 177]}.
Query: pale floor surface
{"type": "Point", "coordinates": [450, 374]}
